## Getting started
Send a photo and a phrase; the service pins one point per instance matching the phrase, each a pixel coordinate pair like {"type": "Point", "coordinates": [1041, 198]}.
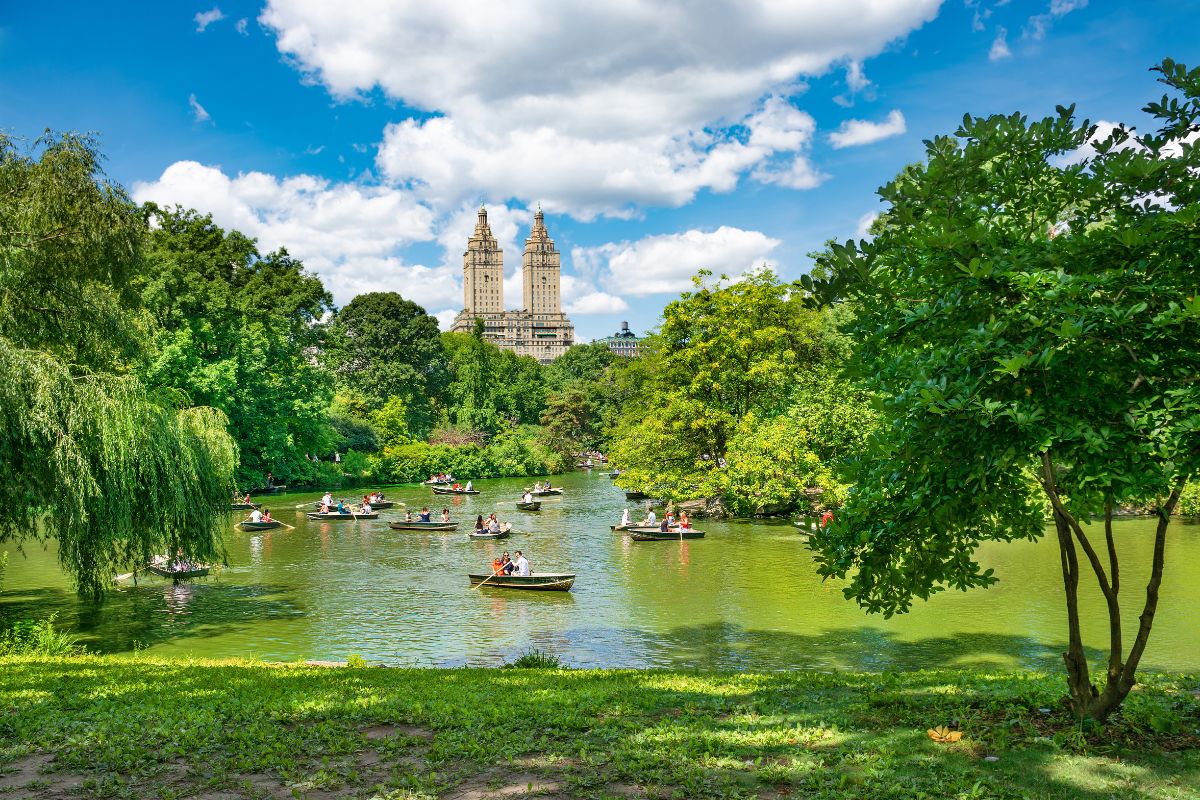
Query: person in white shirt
{"type": "Point", "coordinates": [651, 517]}
{"type": "Point", "coordinates": [625, 518]}
{"type": "Point", "coordinates": [493, 524]}
{"type": "Point", "coordinates": [256, 516]}
{"type": "Point", "coordinates": [327, 500]}
{"type": "Point", "coordinates": [522, 565]}
{"type": "Point", "coordinates": [468, 486]}
{"type": "Point", "coordinates": [528, 497]}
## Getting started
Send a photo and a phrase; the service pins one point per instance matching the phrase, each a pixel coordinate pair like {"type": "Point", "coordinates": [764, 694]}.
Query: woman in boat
{"type": "Point", "coordinates": [469, 486]}
{"type": "Point", "coordinates": [493, 523]}
{"type": "Point", "coordinates": [684, 522]}
{"type": "Point", "coordinates": [445, 515]}
{"type": "Point", "coordinates": [424, 514]}
{"type": "Point", "coordinates": [366, 507]}
{"type": "Point", "coordinates": [408, 515]}
{"type": "Point", "coordinates": [527, 497]}
{"type": "Point", "coordinates": [479, 524]}
{"type": "Point", "coordinates": [327, 499]}
{"type": "Point", "coordinates": [341, 507]}
{"type": "Point", "coordinates": [456, 486]}
{"type": "Point", "coordinates": [669, 520]}
{"type": "Point", "coordinates": [506, 565]}
{"type": "Point", "coordinates": [625, 518]}
{"type": "Point", "coordinates": [267, 515]}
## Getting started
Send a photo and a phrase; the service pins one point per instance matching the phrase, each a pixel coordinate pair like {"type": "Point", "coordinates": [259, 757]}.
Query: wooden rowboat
{"type": "Point", "coordinates": [248, 525]}
{"type": "Point", "coordinates": [655, 535]}
{"type": "Point", "coordinates": [534, 506]}
{"type": "Point", "coordinates": [244, 506]}
{"type": "Point", "coordinates": [443, 490]}
{"type": "Point", "coordinates": [169, 569]}
{"type": "Point", "coordinates": [503, 533]}
{"type": "Point", "coordinates": [437, 483]}
{"type": "Point", "coordinates": [543, 492]}
{"type": "Point", "coordinates": [382, 504]}
{"type": "Point", "coordinates": [620, 527]}
{"type": "Point", "coordinates": [635, 495]}
{"type": "Point", "coordinates": [270, 489]}
{"type": "Point", "coordinates": [317, 515]}
{"type": "Point", "coordinates": [424, 526]}
{"type": "Point", "coordinates": [538, 581]}
{"type": "Point", "coordinates": [613, 474]}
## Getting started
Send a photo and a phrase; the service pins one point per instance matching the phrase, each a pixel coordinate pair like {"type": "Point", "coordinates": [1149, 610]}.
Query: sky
{"type": "Point", "coordinates": [660, 138]}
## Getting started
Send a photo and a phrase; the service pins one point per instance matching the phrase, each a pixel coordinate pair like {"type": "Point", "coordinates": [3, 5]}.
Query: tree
{"type": "Point", "coordinates": [236, 331]}
{"type": "Point", "coordinates": [383, 346]}
{"type": "Point", "coordinates": [1029, 308]}
{"type": "Point", "coordinates": [581, 362]}
{"type": "Point", "coordinates": [88, 456]}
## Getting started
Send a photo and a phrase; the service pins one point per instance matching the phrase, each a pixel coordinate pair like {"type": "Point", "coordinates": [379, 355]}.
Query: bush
{"type": "Point", "coordinates": [39, 638]}
{"type": "Point", "coordinates": [536, 659]}
{"type": "Point", "coordinates": [1189, 501]}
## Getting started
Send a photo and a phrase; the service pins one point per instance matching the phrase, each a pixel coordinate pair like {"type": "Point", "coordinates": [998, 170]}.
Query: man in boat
{"type": "Point", "coordinates": [625, 518]}
{"type": "Point", "coordinates": [445, 515]}
{"type": "Point", "coordinates": [651, 518]}
{"type": "Point", "coordinates": [522, 565]}
{"type": "Point", "coordinates": [246, 499]}
{"type": "Point", "coordinates": [468, 486]}
{"type": "Point", "coordinates": [256, 516]}
{"type": "Point", "coordinates": [366, 507]}
{"type": "Point", "coordinates": [270, 480]}
{"type": "Point", "coordinates": [327, 499]}
{"type": "Point", "coordinates": [493, 523]}
{"type": "Point", "coordinates": [424, 515]}
{"type": "Point", "coordinates": [527, 497]}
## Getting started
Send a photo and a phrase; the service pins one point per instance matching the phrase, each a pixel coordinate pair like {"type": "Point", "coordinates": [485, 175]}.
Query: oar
{"type": "Point", "coordinates": [284, 524]}
{"type": "Point", "coordinates": [485, 580]}
{"type": "Point", "coordinates": [129, 575]}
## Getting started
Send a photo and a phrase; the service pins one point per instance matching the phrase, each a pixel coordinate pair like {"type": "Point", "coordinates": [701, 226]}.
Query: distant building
{"type": "Point", "coordinates": [624, 342]}
{"type": "Point", "coordinates": [540, 329]}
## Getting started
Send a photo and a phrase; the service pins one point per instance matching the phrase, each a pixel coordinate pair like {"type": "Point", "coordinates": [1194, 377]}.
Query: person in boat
{"type": "Point", "coordinates": [456, 486]}
{"type": "Point", "coordinates": [327, 499]}
{"type": "Point", "coordinates": [256, 516]}
{"type": "Point", "coordinates": [270, 480]}
{"type": "Point", "coordinates": [408, 515]}
{"type": "Point", "coordinates": [493, 524]}
{"type": "Point", "coordinates": [669, 519]}
{"type": "Point", "coordinates": [246, 499]}
{"type": "Point", "coordinates": [366, 507]}
{"type": "Point", "coordinates": [507, 566]}
{"type": "Point", "coordinates": [341, 507]}
{"type": "Point", "coordinates": [651, 518]}
{"type": "Point", "coordinates": [521, 565]}
{"type": "Point", "coordinates": [546, 485]}
{"type": "Point", "coordinates": [479, 524]}
{"type": "Point", "coordinates": [500, 564]}
{"type": "Point", "coordinates": [664, 526]}
{"type": "Point", "coordinates": [324, 508]}
{"type": "Point", "coordinates": [366, 500]}
{"type": "Point", "coordinates": [445, 515]}
{"type": "Point", "coordinates": [625, 518]}
{"type": "Point", "coordinates": [469, 486]}
{"type": "Point", "coordinates": [267, 515]}
{"type": "Point", "coordinates": [424, 514]}
{"type": "Point", "coordinates": [537, 486]}
{"type": "Point", "coordinates": [527, 497]}
{"type": "Point", "coordinates": [684, 522]}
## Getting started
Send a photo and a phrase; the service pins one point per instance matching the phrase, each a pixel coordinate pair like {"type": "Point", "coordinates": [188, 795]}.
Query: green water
{"type": "Point", "coordinates": [746, 596]}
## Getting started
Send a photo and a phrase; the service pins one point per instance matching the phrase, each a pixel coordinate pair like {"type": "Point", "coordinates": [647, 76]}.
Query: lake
{"type": "Point", "coordinates": [744, 597]}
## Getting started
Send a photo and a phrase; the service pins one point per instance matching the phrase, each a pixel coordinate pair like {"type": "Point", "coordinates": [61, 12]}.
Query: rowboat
{"type": "Point", "coordinates": [443, 490]}
{"type": "Point", "coordinates": [635, 495]}
{"type": "Point", "coordinates": [437, 483]}
{"type": "Point", "coordinates": [613, 474]}
{"type": "Point", "coordinates": [537, 581]}
{"type": "Point", "coordinates": [639, 534]}
{"type": "Point", "coordinates": [382, 504]}
{"type": "Point", "coordinates": [248, 525]}
{"type": "Point", "coordinates": [543, 492]}
{"type": "Point", "coordinates": [583, 466]}
{"type": "Point", "coordinates": [619, 527]}
{"type": "Point", "coordinates": [534, 506]}
{"type": "Point", "coordinates": [243, 506]}
{"type": "Point", "coordinates": [503, 533]}
{"type": "Point", "coordinates": [270, 489]}
{"type": "Point", "coordinates": [169, 569]}
{"type": "Point", "coordinates": [424, 526]}
{"type": "Point", "coordinates": [317, 515]}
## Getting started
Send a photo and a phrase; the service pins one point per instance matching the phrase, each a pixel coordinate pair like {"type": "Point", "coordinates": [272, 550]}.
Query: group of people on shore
{"type": "Point", "coordinates": [505, 565]}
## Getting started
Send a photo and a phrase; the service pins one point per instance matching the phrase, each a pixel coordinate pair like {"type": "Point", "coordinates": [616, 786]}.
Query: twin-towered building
{"type": "Point", "coordinates": [540, 329]}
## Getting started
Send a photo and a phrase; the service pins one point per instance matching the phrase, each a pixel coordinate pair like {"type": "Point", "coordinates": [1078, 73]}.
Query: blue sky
{"type": "Point", "coordinates": [363, 135]}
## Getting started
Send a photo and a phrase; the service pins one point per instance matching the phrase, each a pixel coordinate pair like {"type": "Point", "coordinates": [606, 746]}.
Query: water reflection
{"type": "Point", "coordinates": [746, 596]}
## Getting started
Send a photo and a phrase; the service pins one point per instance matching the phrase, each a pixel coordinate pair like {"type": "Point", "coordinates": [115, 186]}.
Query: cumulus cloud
{"type": "Point", "coordinates": [863, 229]}
{"type": "Point", "coordinates": [347, 233]}
{"type": "Point", "coordinates": [666, 263]}
{"type": "Point", "coordinates": [199, 114]}
{"type": "Point", "coordinates": [581, 297]}
{"type": "Point", "coordinates": [1038, 25]}
{"type": "Point", "coordinates": [242, 26]}
{"type": "Point", "coordinates": [206, 18]}
{"type": "Point", "coordinates": [855, 132]}
{"type": "Point", "coordinates": [1000, 49]}
{"type": "Point", "coordinates": [590, 108]}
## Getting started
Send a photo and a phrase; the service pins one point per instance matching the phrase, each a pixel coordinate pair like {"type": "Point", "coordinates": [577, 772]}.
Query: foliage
{"type": "Point", "coordinates": [87, 455]}
{"type": "Point", "coordinates": [581, 362]}
{"type": "Point", "coordinates": [38, 638]}
{"type": "Point", "coordinates": [235, 333]}
{"type": "Point", "coordinates": [390, 422]}
{"type": "Point", "coordinates": [1029, 311]}
{"type": "Point", "coordinates": [534, 658]}
{"type": "Point", "coordinates": [513, 453]}
{"type": "Point", "coordinates": [594, 733]}
{"type": "Point", "coordinates": [735, 399]}
{"type": "Point", "coordinates": [382, 346]}
{"type": "Point", "coordinates": [1189, 500]}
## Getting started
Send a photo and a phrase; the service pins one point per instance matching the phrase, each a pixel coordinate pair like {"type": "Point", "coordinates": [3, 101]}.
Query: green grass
{"type": "Point", "coordinates": [141, 727]}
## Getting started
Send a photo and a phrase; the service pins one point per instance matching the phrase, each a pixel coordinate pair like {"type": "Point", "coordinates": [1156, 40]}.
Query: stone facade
{"type": "Point", "coordinates": [540, 329]}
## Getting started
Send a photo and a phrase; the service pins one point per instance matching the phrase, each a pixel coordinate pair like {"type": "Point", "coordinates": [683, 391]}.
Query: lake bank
{"type": "Point", "coordinates": [147, 727]}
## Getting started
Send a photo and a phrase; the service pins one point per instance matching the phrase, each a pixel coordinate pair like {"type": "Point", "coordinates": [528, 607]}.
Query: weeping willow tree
{"type": "Point", "coordinates": [87, 456]}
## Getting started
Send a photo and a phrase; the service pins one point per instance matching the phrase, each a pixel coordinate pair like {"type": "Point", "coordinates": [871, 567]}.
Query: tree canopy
{"type": "Point", "coordinates": [1029, 310]}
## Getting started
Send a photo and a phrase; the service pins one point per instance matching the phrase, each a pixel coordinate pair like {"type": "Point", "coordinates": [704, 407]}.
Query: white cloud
{"type": "Point", "coordinates": [1000, 45]}
{"type": "Point", "coordinates": [855, 132]}
{"type": "Point", "coordinates": [863, 230]}
{"type": "Point", "coordinates": [1037, 26]}
{"type": "Point", "coordinates": [666, 263]}
{"type": "Point", "coordinates": [241, 26]}
{"type": "Point", "coordinates": [446, 318]}
{"type": "Point", "coordinates": [199, 114]}
{"type": "Point", "coordinates": [206, 18]}
{"type": "Point", "coordinates": [589, 107]}
{"type": "Point", "coordinates": [347, 233]}
{"type": "Point", "coordinates": [581, 297]}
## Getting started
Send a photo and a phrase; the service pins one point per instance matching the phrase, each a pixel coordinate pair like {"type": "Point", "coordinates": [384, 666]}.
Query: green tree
{"type": "Point", "coordinates": [383, 346]}
{"type": "Point", "coordinates": [1030, 312]}
{"type": "Point", "coordinates": [581, 362]}
{"type": "Point", "coordinates": [471, 396]}
{"type": "Point", "coordinates": [88, 456]}
{"type": "Point", "coordinates": [236, 331]}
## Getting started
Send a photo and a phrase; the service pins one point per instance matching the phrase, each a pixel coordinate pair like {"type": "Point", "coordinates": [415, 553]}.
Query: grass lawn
{"type": "Point", "coordinates": [93, 726]}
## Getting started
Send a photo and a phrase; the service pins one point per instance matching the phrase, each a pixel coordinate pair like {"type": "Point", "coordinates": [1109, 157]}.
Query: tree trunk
{"type": "Point", "coordinates": [1079, 683]}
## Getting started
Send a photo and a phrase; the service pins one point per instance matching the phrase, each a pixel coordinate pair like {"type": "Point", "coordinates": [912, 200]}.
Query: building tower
{"type": "Point", "coordinates": [540, 267]}
{"type": "Point", "coordinates": [483, 271]}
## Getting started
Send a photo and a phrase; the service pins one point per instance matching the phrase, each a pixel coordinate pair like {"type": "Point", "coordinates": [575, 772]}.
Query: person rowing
{"type": "Point", "coordinates": [341, 507]}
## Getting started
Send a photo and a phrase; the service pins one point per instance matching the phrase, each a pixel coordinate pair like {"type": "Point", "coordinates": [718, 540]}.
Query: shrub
{"type": "Point", "coordinates": [536, 659]}
{"type": "Point", "coordinates": [41, 638]}
{"type": "Point", "coordinates": [1189, 501]}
